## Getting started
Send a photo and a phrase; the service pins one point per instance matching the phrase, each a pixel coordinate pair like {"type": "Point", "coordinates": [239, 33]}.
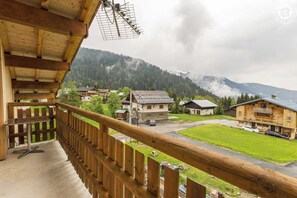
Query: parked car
{"type": "Point", "coordinates": [151, 122]}
{"type": "Point", "coordinates": [276, 134]}
{"type": "Point", "coordinates": [248, 128]}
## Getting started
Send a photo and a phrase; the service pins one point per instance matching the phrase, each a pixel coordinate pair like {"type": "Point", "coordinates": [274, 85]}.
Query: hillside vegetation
{"type": "Point", "coordinates": [108, 70]}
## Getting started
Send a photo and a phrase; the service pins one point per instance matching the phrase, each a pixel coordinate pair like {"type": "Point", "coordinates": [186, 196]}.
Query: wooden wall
{"type": "Point", "coordinates": [6, 95]}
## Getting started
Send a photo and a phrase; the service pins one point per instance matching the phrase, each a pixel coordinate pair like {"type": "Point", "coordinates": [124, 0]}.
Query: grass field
{"type": "Point", "coordinates": [196, 118]}
{"type": "Point", "coordinates": [256, 145]}
{"type": "Point", "coordinates": [193, 173]}
{"type": "Point", "coordinates": [96, 124]}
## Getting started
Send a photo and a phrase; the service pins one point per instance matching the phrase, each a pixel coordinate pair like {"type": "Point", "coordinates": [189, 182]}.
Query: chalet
{"type": "Point", "coordinates": [269, 114]}
{"type": "Point", "coordinates": [148, 105]}
{"type": "Point", "coordinates": [86, 91]}
{"type": "Point", "coordinates": [125, 103]}
{"type": "Point", "coordinates": [200, 107]}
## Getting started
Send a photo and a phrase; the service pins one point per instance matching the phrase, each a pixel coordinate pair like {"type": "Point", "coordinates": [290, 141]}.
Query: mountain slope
{"type": "Point", "coordinates": [225, 87]}
{"type": "Point", "coordinates": [108, 70]}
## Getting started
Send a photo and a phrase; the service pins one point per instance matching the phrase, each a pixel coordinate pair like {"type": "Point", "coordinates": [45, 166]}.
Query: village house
{"type": "Point", "coordinates": [201, 107]}
{"type": "Point", "coordinates": [86, 91]}
{"type": "Point", "coordinates": [269, 114]}
{"type": "Point", "coordinates": [125, 103]}
{"type": "Point", "coordinates": [150, 105]}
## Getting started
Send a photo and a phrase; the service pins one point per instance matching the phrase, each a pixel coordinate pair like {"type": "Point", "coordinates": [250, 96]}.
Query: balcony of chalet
{"type": "Point", "coordinates": [38, 42]}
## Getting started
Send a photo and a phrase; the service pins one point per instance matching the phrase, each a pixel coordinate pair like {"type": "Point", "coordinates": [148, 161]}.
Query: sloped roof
{"type": "Point", "coordinates": [152, 97]}
{"type": "Point", "coordinates": [83, 89]}
{"type": "Point", "coordinates": [125, 101]}
{"type": "Point", "coordinates": [103, 90]}
{"type": "Point", "coordinates": [203, 103]}
{"type": "Point", "coordinates": [279, 102]}
{"type": "Point", "coordinates": [122, 111]}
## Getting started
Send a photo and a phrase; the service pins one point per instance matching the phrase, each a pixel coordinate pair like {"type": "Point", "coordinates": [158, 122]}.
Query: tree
{"type": "Point", "coordinates": [114, 103]}
{"type": "Point", "coordinates": [95, 105]}
{"type": "Point", "coordinates": [219, 110]}
{"type": "Point", "coordinates": [68, 94]}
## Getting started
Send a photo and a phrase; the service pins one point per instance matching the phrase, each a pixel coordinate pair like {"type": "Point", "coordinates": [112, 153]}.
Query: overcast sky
{"type": "Point", "coordinates": [245, 41]}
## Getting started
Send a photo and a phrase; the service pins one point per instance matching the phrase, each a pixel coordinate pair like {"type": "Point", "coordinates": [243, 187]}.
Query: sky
{"type": "Point", "coordinates": [245, 41]}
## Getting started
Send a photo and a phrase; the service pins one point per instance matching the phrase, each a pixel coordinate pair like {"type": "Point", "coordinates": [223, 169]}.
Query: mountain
{"type": "Point", "coordinates": [224, 87]}
{"type": "Point", "coordinates": [108, 70]}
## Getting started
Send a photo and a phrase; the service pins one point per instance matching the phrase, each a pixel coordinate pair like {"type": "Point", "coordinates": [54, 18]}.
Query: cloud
{"type": "Point", "coordinates": [194, 20]}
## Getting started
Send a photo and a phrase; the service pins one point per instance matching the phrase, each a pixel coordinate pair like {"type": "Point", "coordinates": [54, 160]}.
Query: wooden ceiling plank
{"type": "Point", "coordinates": [35, 63]}
{"type": "Point", "coordinates": [17, 12]}
{"type": "Point", "coordinates": [16, 84]}
{"type": "Point", "coordinates": [4, 37]}
{"type": "Point", "coordinates": [23, 96]}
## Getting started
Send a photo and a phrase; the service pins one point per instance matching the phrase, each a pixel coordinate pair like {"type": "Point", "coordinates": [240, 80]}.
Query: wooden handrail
{"type": "Point", "coordinates": [29, 104]}
{"type": "Point", "coordinates": [247, 176]}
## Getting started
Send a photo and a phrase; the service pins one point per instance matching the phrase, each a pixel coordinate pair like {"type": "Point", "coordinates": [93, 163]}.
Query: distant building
{"type": "Point", "coordinates": [125, 103]}
{"type": "Point", "coordinates": [86, 91]}
{"type": "Point", "coordinates": [200, 107]}
{"type": "Point", "coordinates": [103, 93]}
{"type": "Point", "coordinates": [230, 112]}
{"type": "Point", "coordinates": [122, 114]}
{"type": "Point", "coordinates": [269, 114]}
{"type": "Point", "coordinates": [150, 105]}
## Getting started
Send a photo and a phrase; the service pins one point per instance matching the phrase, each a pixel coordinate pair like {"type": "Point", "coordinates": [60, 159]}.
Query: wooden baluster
{"type": "Point", "coordinates": [105, 151]}
{"type": "Point", "coordinates": [21, 127]}
{"type": "Point", "coordinates": [37, 126]}
{"type": "Point", "coordinates": [120, 163]}
{"type": "Point", "coordinates": [29, 115]}
{"type": "Point", "coordinates": [11, 128]}
{"type": "Point", "coordinates": [111, 155]}
{"type": "Point", "coordinates": [195, 190]}
{"type": "Point", "coordinates": [139, 167]}
{"type": "Point", "coordinates": [171, 183]}
{"type": "Point", "coordinates": [44, 125]}
{"type": "Point", "coordinates": [153, 177]}
{"type": "Point", "coordinates": [51, 114]}
{"type": "Point", "coordinates": [100, 147]}
{"type": "Point", "coordinates": [129, 167]}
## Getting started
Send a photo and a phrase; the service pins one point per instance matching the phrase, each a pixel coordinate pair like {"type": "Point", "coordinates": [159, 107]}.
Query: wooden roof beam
{"type": "Point", "coordinates": [34, 85]}
{"type": "Point", "coordinates": [22, 96]}
{"type": "Point", "coordinates": [35, 63]}
{"type": "Point", "coordinates": [17, 12]}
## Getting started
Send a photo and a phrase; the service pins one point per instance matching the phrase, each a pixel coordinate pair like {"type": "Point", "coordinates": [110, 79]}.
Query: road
{"type": "Point", "coordinates": [170, 128]}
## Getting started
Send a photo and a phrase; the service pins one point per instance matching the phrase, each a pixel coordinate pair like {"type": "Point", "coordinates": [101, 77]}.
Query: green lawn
{"type": "Point", "coordinates": [196, 118]}
{"type": "Point", "coordinates": [96, 124]}
{"type": "Point", "coordinates": [193, 173]}
{"type": "Point", "coordinates": [256, 145]}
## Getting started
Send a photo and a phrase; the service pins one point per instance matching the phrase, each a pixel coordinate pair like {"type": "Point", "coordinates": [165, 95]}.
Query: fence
{"type": "Point", "coordinates": [110, 168]}
{"type": "Point", "coordinates": [40, 131]}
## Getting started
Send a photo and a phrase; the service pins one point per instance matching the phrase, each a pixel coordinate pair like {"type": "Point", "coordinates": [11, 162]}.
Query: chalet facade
{"type": "Point", "coordinates": [86, 91]}
{"type": "Point", "coordinates": [200, 107]}
{"type": "Point", "coordinates": [148, 105]}
{"type": "Point", "coordinates": [269, 114]}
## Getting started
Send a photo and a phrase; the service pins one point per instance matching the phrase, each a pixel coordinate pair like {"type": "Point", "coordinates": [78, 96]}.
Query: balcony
{"type": "Point", "coordinates": [267, 111]}
{"type": "Point", "coordinates": [110, 168]}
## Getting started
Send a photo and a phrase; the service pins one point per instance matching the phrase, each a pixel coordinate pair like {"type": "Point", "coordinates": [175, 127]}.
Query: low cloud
{"type": "Point", "coordinates": [194, 20]}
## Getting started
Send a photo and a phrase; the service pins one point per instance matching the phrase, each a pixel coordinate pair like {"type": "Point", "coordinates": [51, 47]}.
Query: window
{"type": "Point", "coordinates": [161, 114]}
{"type": "Point", "coordinates": [149, 106]}
{"type": "Point", "coordinates": [239, 113]}
{"type": "Point", "coordinates": [161, 106]}
{"type": "Point", "coordinates": [263, 105]}
{"type": "Point", "coordinates": [289, 118]}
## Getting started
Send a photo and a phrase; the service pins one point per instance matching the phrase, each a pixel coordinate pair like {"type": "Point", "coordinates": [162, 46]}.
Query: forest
{"type": "Point", "coordinates": [103, 69]}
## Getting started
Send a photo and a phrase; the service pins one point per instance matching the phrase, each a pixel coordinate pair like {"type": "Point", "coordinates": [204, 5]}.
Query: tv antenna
{"type": "Point", "coordinates": [117, 21]}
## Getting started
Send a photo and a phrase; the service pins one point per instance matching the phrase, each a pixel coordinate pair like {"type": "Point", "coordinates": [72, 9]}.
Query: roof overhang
{"type": "Point", "coordinates": [40, 40]}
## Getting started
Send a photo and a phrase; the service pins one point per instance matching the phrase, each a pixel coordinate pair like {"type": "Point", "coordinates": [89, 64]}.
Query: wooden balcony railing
{"type": "Point", "coordinates": [41, 131]}
{"type": "Point", "coordinates": [110, 168]}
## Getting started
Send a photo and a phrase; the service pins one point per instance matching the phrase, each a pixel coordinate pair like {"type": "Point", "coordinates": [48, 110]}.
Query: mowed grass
{"type": "Point", "coordinates": [191, 172]}
{"type": "Point", "coordinates": [256, 145]}
{"type": "Point", "coordinates": [196, 118]}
